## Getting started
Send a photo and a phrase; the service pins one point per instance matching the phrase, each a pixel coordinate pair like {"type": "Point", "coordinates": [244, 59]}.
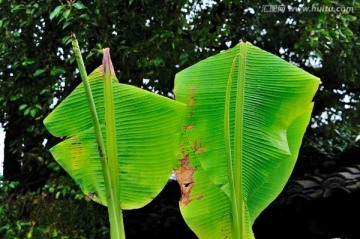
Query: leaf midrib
{"type": "Point", "coordinates": [235, 163]}
{"type": "Point", "coordinates": [238, 139]}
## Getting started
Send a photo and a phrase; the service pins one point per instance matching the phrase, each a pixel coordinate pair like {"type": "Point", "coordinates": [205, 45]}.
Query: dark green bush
{"type": "Point", "coordinates": [58, 210]}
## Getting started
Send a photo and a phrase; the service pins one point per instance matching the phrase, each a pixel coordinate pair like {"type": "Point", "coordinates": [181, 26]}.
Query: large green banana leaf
{"type": "Point", "coordinates": [148, 131]}
{"type": "Point", "coordinates": [269, 104]}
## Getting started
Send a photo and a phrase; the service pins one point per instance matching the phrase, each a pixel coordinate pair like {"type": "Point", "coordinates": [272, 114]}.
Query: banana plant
{"type": "Point", "coordinates": [121, 141]}
{"type": "Point", "coordinates": [247, 111]}
{"type": "Point", "coordinates": [245, 116]}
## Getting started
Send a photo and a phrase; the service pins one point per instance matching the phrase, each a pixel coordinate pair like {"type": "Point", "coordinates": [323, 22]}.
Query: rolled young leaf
{"type": "Point", "coordinates": [148, 131]}
{"type": "Point", "coordinates": [261, 105]}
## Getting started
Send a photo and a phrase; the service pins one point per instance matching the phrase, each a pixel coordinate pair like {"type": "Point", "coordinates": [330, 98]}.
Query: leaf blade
{"type": "Point", "coordinates": [145, 123]}
{"type": "Point", "coordinates": [56, 12]}
{"type": "Point", "coordinates": [276, 94]}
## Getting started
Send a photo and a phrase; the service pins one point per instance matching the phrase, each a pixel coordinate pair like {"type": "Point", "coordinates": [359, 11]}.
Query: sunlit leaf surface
{"type": "Point", "coordinates": [273, 107]}
{"type": "Point", "coordinates": [148, 131]}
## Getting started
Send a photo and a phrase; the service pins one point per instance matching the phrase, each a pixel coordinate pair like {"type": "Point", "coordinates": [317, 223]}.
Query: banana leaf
{"type": "Point", "coordinates": [148, 133]}
{"type": "Point", "coordinates": [247, 111]}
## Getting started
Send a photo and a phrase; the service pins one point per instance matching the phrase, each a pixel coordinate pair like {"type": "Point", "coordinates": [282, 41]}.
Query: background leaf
{"type": "Point", "coordinates": [38, 72]}
{"type": "Point", "coordinates": [56, 11]}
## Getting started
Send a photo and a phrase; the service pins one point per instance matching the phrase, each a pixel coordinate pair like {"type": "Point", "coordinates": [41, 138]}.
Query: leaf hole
{"type": "Point", "coordinates": [187, 184]}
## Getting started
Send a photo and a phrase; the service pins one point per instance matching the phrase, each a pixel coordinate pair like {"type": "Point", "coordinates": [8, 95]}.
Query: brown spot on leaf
{"type": "Point", "coordinates": [184, 153]}
{"type": "Point", "coordinates": [198, 148]}
{"type": "Point", "coordinates": [192, 101]}
{"type": "Point", "coordinates": [188, 126]}
{"type": "Point", "coordinates": [184, 176]}
{"type": "Point", "coordinates": [200, 197]}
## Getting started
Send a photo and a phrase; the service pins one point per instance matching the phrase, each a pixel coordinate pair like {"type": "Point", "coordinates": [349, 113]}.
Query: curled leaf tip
{"type": "Point", "coordinates": [73, 37]}
{"type": "Point", "coordinates": [107, 65]}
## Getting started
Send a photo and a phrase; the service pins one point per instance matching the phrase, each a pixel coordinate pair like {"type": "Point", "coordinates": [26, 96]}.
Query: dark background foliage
{"type": "Point", "coordinates": [154, 40]}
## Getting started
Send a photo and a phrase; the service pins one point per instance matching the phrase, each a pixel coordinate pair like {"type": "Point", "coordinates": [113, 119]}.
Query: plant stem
{"type": "Point", "coordinates": [116, 224]}
{"type": "Point", "coordinates": [108, 72]}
